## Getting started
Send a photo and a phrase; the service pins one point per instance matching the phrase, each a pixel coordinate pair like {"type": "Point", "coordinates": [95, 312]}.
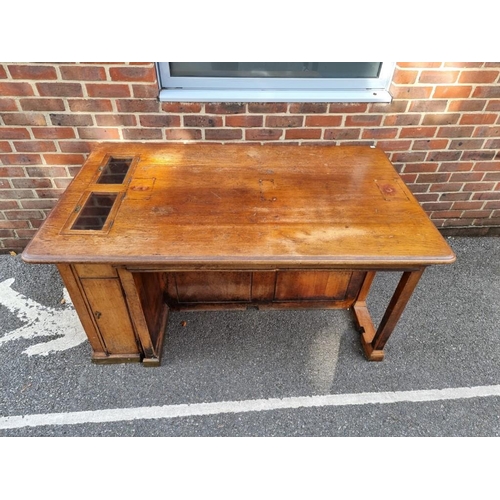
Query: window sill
{"type": "Point", "coordinates": [252, 95]}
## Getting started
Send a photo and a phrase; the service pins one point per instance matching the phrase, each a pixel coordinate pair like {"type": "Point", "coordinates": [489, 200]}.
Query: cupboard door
{"type": "Point", "coordinates": [111, 315]}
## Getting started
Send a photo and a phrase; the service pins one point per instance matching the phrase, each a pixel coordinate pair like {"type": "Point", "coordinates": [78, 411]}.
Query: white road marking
{"type": "Point", "coordinates": [41, 321]}
{"type": "Point", "coordinates": [255, 405]}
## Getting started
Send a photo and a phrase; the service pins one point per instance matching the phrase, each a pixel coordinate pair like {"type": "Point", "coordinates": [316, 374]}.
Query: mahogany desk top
{"type": "Point", "coordinates": [243, 206]}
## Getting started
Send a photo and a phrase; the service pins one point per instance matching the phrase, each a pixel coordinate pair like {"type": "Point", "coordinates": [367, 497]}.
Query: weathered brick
{"type": "Point", "coordinates": [83, 73]}
{"type": "Point", "coordinates": [177, 107]}
{"type": "Point", "coordinates": [404, 77]}
{"type": "Point", "coordinates": [453, 92]}
{"type": "Point", "coordinates": [428, 106]}
{"type": "Point", "coordinates": [32, 72]}
{"type": "Point", "coordinates": [324, 121]}
{"type": "Point", "coordinates": [431, 178]}
{"type": "Point", "coordinates": [455, 132]}
{"type": "Point", "coordinates": [267, 107]}
{"type": "Point", "coordinates": [179, 134]}
{"type": "Point", "coordinates": [348, 107]}
{"type": "Point", "coordinates": [16, 194]}
{"type": "Point", "coordinates": [107, 90]}
{"type": "Point", "coordinates": [202, 121]}
{"type": "Point", "coordinates": [407, 119]}
{"type": "Point", "coordinates": [379, 133]}
{"type": "Point", "coordinates": [99, 133]}
{"type": "Point", "coordinates": [42, 104]}
{"type": "Point", "coordinates": [479, 186]}
{"type": "Point", "coordinates": [7, 104]}
{"type": "Point", "coordinates": [438, 76]}
{"type": "Point", "coordinates": [15, 89]}
{"type": "Point", "coordinates": [137, 106]}
{"type": "Point", "coordinates": [3, 72]}
{"type": "Point", "coordinates": [303, 133]}
{"type": "Point", "coordinates": [141, 134]}
{"type": "Point", "coordinates": [478, 155]}
{"type": "Point", "coordinates": [220, 134]}
{"type": "Point", "coordinates": [441, 119]}
{"type": "Point", "coordinates": [466, 176]}
{"type": "Point", "coordinates": [396, 145]}
{"type": "Point", "coordinates": [284, 121]}
{"type": "Point", "coordinates": [31, 119]}
{"type": "Point", "coordinates": [244, 121]}
{"type": "Point", "coordinates": [38, 204]}
{"type": "Point", "coordinates": [117, 120]}
{"type": "Point", "coordinates": [467, 144]}
{"type": "Point", "coordinates": [60, 89]}
{"type": "Point", "coordinates": [493, 105]}
{"type": "Point", "coordinates": [19, 159]}
{"type": "Point", "coordinates": [263, 134]}
{"type": "Point", "coordinates": [487, 131]}
{"type": "Point", "coordinates": [363, 120]}
{"type": "Point", "coordinates": [23, 214]}
{"type": "Point", "coordinates": [14, 133]}
{"type": "Point", "coordinates": [484, 91]}
{"type": "Point", "coordinates": [31, 182]}
{"type": "Point", "coordinates": [492, 144]}
{"type": "Point", "coordinates": [160, 121]}
{"type": "Point", "coordinates": [430, 144]}
{"type": "Point", "coordinates": [444, 155]}
{"type": "Point", "coordinates": [53, 133]}
{"type": "Point", "coordinates": [34, 146]}
{"type": "Point", "coordinates": [467, 105]}
{"type": "Point", "coordinates": [133, 74]}
{"type": "Point", "coordinates": [408, 157]}
{"type": "Point", "coordinates": [90, 105]}
{"type": "Point", "coordinates": [417, 132]}
{"type": "Point", "coordinates": [467, 205]}
{"type": "Point", "coordinates": [308, 107]}
{"type": "Point", "coordinates": [421, 167]}
{"type": "Point", "coordinates": [341, 134]}
{"type": "Point", "coordinates": [64, 159]}
{"type": "Point", "coordinates": [411, 92]}
{"type": "Point", "coordinates": [46, 171]}
{"type": "Point", "coordinates": [71, 120]}
{"type": "Point", "coordinates": [479, 76]}
{"type": "Point", "coordinates": [419, 64]}
{"type": "Point", "coordinates": [478, 118]}
{"type": "Point", "coordinates": [225, 108]}
{"type": "Point", "coordinates": [5, 147]}
{"type": "Point", "coordinates": [142, 91]}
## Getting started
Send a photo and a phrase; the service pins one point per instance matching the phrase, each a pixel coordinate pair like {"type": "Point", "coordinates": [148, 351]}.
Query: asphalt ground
{"type": "Point", "coordinates": [263, 373]}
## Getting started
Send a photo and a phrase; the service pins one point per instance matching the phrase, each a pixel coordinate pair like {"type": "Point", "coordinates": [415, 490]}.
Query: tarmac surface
{"type": "Point", "coordinates": [262, 373]}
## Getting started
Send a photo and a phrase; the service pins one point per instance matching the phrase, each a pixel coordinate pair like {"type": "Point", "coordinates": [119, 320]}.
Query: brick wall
{"type": "Point", "coordinates": [442, 132]}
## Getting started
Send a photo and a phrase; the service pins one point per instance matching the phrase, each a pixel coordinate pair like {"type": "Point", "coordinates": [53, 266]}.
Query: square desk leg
{"type": "Point", "coordinates": [373, 342]}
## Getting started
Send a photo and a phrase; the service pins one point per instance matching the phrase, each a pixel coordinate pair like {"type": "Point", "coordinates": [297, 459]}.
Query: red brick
{"type": "Point", "coordinates": [37, 104]}
{"type": "Point", "coordinates": [426, 178]}
{"type": "Point", "coordinates": [363, 120]}
{"type": "Point", "coordinates": [5, 184]}
{"type": "Point", "coordinates": [463, 64]}
{"type": "Point", "coordinates": [23, 214]}
{"type": "Point", "coordinates": [395, 106]}
{"type": "Point", "coordinates": [467, 105]}
{"type": "Point", "coordinates": [3, 73]}
{"type": "Point", "coordinates": [453, 92]}
{"type": "Point", "coordinates": [485, 196]}
{"type": "Point", "coordinates": [492, 144]}
{"type": "Point", "coordinates": [83, 73]}
{"type": "Point", "coordinates": [133, 74]}
{"type": "Point", "coordinates": [62, 183]}
{"type": "Point", "coordinates": [348, 107]}
{"type": "Point", "coordinates": [308, 107]}
{"type": "Point", "coordinates": [428, 106]}
{"type": "Point", "coordinates": [471, 76]}
{"type": "Point", "coordinates": [467, 144]}
{"type": "Point", "coordinates": [406, 119]}
{"type": "Point", "coordinates": [19, 159]}
{"type": "Point", "coordinates": [455, 132]}
{"type": "Point", "coordinates": [90, 105]}
{"type": "Point", "coordinates": [439, 205]}
{"type": "Point", "coordinates": [244, 121]}
{"type": "Point", "coordinates": [31, 182]}
{"type": "Point", "coordinates": [179, 134]}
{"type": "Point", "coordinates": [107, 90]}
{"type": "Point", "coordinates": [53, 133]}
{"type": "Point", "coordinates": [396, 145]}
{"type": "Point", "coordinates": [324, 121]}
{"type": "Point", "coordinates": [5, 147]}
{"type": "Point", "coordinates": [404, 77]}
{"type": "Point", "coordinates": [455, 196]}
{"type": "Point", "coordinates": [48, 193]}
{"type": "Point", "coordinates": [220, 134]}
{"type": "Point", "coordinates": [438, 77]}
{"type": "Point", "coordinates": [6, 233]}
{"type": "Point", "coordinates": [418, 132]}
{"type": "Point", "coordinates": [16, 194]}
{"type": "Point", "coordinates": [64, 159]}
{"type": "Point", "coordinates": [225, 108]}
{"type": "Point", "coordinates": [478, 155]}
{"type": "Point", "coordinates": [444, 155]}
{"type": "Point", "coordinates": [466, 177]}
{"type": "Point", "coordinates": [104, 134]}
{"type": "Point", "coordinates": [160, 121]}
{"type": "Point", "coordinates": [75, 147]}
{"type": "Point", "coordinates": [12, 172]}
{"type": "Point", "coordinates": [7, 104]}
{"type": "Point", "coordinates": [341, 134]}
{"type": "Point", "coordinates": [479, 186]}
{"type": "Point", "coordinates": [441, 119]}
{"type": "Point", "coordinates": [493, 105]}
{"type": "Point", "coordinates": [145, 91]}
{"type": "Point", "coordinates": [140, 134]}
{"type": "Point", "coordinates": [379, 133]}
{"type": "Point", "coordinates": [460, 166]}
{"type": "Point", "coordinates": [408, 157]}
{"type": "Point", "coordinates": [8, 205]}
{"type": "Point", "coordinates": [263, 134]}
{"type": "Point", "coordinates": [15, 89]}
{"type": "Point", "coordinates": [34, 146]}
{"type": "Point", "coordinates": [489, 92]}
{"type": "Point", "coordinates": [71, 120]}
{"type": "Point", "coordinates": [23, 119]}
{"type": "Point", "coordinates": [492, 205]}
{"type": "Point", "coordinates": [267, 107]}
{"type": "Point", "coordinates": [467, 205]}
{"type": "Point", "coordinates": [421, 167]}
{"type": "Point", "coordinates": [430, 144]}
{"type": "Point", "coordinates": [26, 233]}
{"type": "Point", "coordinates": [117, 120]}
{"type": "Point", "coordinates": [46, 171]}
{"type": "Point", "coordinates": [30, 72]}
{"type": "Point", "coordinates": [60, 89]}
{"type": "Point", "coordinates": [284, 121]}
{"type": "Point", "coordinates": [411, 92]}
{"type": "Point", "coordinates": [176, 107]}
{"type": "Point", "coordinates": [478, 118]}
{"type": "Point", "coordinates": [303, 133]}
{"type": "Point", "coordinates": [38, 204]}
{"type": "Point", "coordinates": [408, 178]}
{"type": "Point", "coordinates": [14, 133]}
{"type": "Point", "coordinates": [201, 121]}
{"type": "Point", "coordinates": [492, 176]}
{"type": "Point", "coordinates": [138, 106]}
{"type": "Point", "coordinates": [487, 131]}
{"type": "Point", "coordinates": [447, 187]}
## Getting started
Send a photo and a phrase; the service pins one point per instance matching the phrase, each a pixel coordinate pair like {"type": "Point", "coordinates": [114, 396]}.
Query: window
{"type": "Point", "coordinates": [275, 81]}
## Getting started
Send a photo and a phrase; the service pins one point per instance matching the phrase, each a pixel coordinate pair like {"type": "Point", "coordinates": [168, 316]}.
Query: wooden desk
{"type": "Point", "coordinates": [144, 228]}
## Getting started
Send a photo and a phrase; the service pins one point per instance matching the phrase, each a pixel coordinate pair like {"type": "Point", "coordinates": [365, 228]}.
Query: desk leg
{"type": "Point", "coordinates": [373, 342]}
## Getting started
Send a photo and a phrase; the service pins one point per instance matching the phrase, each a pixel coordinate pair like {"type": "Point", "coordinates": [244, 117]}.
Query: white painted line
{"type": "Point", "coordinates": [200, 409]}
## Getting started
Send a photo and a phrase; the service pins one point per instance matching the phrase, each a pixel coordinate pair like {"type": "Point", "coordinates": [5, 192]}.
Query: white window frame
{"type": "Point", "coordinates": [221, 89]}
